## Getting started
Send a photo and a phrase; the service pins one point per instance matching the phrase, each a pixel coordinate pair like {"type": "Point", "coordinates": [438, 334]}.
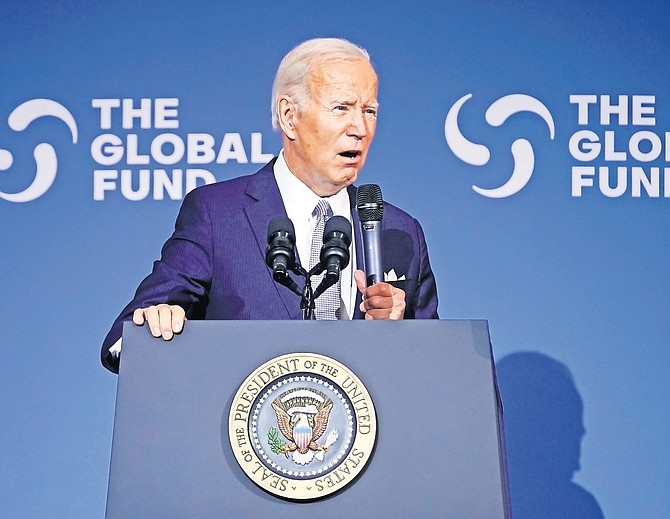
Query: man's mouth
{"type": "Point", "coordinates": [350, 154]}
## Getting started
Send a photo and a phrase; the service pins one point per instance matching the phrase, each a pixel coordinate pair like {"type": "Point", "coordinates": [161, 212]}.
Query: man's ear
{"type": "Point", "coordinates": [287, 111]}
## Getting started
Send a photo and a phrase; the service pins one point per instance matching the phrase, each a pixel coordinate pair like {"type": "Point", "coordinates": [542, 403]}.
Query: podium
{"type": "Point", "coordinates": [439, 450]}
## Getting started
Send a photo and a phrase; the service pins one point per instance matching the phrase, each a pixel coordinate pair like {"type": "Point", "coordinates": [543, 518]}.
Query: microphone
{"type": "Point", "coordinates": [370, 207]}
{"type": "Point", "coordinates": [334, 255]}
{"type": "Point", "coordinates": [280, 252]}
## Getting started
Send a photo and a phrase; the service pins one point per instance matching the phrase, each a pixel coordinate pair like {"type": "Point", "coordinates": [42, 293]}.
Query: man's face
{"type": "Point", "coordinates": [328, 142]}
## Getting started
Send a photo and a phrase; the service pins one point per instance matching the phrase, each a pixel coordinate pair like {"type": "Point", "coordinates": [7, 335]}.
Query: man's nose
{"type": "Point", "coordinates": [358, 125]}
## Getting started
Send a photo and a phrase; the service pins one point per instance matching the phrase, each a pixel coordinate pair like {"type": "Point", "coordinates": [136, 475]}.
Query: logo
{"type": "Point", "coordinates": [139, 152]}
{"type": "Point", "coordinates": [479, 155]}
{"type": "Point", "coordinates": [302, 426]}
{"type": "Point", "coordinates": [45, 155]}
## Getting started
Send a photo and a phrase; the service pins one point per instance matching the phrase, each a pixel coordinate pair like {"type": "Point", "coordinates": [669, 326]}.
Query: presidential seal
{"type": "Point", "coordinates": [302, 426]}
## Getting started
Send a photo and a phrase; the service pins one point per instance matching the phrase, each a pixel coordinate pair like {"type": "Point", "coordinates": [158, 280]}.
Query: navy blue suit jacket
{"type": "Point", "coordinates": [214, 263]}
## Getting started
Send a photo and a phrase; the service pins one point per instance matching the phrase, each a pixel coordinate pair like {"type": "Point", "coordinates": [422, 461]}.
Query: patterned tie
{"type": "Point", "coordinates": [328, 303]}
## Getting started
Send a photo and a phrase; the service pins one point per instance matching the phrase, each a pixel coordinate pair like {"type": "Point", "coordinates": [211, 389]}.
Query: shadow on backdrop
{"type": "Point", "coordinates": [543, 431]}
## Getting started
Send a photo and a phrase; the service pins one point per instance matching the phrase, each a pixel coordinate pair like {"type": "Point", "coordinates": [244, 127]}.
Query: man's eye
{"type": "Point", "coordinates": [340, 108]}
{"type": "Point", "coordinates": [371, 113]}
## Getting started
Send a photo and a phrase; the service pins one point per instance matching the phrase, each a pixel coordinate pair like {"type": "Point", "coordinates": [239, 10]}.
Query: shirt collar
{"type": "Point", "coordinates": [300, 200]}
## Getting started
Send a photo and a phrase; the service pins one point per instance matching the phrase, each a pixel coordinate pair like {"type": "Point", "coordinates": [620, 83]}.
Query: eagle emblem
{"type": "Point", "coordinates": [302, 417]}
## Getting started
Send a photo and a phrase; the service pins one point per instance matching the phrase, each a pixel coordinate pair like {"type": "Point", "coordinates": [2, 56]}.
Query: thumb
{"type": "Point", "coordinates": [360, 278]}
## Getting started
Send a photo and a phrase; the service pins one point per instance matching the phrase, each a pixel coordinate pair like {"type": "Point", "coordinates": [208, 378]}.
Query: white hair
{"type": "Point", "coordinates": [294, 69]}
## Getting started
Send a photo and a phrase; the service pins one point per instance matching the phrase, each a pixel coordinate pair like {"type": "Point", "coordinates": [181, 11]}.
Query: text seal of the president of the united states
{"type": "Point", "coordinates": [302, 426]}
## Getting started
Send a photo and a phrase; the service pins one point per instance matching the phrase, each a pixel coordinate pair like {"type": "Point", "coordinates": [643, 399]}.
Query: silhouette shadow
{"type": "Point", "coordinates": [543, 432]}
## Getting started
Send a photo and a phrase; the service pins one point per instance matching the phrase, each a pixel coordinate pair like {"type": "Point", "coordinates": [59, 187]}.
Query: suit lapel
{"type": "Point", "coordinates": [358, 242]}
{"type": "Point", "coordinates": [263, 188]}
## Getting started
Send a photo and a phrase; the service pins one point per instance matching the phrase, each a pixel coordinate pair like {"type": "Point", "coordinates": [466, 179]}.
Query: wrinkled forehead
{"type": "Point", "coordinates": [351, 78]}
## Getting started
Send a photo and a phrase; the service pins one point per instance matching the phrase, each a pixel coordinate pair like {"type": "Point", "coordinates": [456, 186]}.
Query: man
{"type": "Point", "coordinates": [324, 101]}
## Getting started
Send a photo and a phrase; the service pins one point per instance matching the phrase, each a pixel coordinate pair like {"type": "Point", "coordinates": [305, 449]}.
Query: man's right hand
{"type": "Point", "coordinates": [164, 320]}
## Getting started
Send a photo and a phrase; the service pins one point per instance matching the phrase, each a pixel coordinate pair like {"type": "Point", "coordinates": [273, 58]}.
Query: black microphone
{"type": "Point", "coordinates": [280, 252]}
{"type": "Point", "coordinates": [334, 256]}
{"type": "Point", "coordinates": [370, 207]}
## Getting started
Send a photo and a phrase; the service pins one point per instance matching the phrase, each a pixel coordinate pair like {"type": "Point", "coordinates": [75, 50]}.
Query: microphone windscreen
{"type": "Point", "coordinates": [369, 203]}
{"type": "Point", "coordinates": [338, 224]}
{"type": "Point", "coordinates": [281, 223]}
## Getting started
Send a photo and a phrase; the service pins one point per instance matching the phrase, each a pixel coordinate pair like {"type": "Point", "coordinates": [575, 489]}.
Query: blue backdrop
{"type": "Point", "coordinates": [571, 270]}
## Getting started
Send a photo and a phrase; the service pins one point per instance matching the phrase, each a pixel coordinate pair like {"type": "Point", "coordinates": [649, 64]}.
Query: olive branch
{"type": "Point", "coordinates": [274, 441]}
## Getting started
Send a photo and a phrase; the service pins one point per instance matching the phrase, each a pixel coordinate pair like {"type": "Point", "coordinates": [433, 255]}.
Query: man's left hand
{"type": "Point", "coordinates": [381, 300]}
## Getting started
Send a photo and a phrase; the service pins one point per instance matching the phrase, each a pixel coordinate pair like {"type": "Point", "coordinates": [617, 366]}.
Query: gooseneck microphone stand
{"type": "Point", "coordinates": [307, 295]}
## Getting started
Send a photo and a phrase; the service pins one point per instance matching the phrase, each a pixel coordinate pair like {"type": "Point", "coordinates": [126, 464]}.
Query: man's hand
{"type": "Point", "coordinates": [164, 320]}
{"type": "Point", "coordinates": [381, 300]}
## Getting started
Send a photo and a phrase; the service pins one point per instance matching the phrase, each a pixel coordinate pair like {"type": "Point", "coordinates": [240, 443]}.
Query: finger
{"type": "Point", "coordinates": [165, 320]}
{"type": "Point", "coordinates": [178, 318]}
{"type": "Point", "coordinates": [151, 316]}
{"type": "Point", "coordinates": [380, 289]}
{"type": "Point", "coordinates": [364, 311]}
{"type": "Point", "coordinates": [138, 316]}
{"type": "Point", "coordinates": [378, 313]}
{"type": "Point", "coordinates": [378, 303]}
{"type": "Point", "coordinates": [360, 278]}
{"type": "Point", "coordinates": [379, 295]}
{"type": "Point", "coordinates": [398, 310]}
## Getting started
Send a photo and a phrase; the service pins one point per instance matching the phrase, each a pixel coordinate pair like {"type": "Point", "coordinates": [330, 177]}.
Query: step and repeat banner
{"type": "Point", "coordinates": [530, 139]}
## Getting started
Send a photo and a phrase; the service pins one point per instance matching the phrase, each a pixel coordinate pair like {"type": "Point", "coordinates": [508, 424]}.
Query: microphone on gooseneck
{"type": "Point", "coordinates": [334, 256]}
{"type": "Point", "coordinates": [280, 252]}
{"type": "Point", "coordinates": [370, 207]}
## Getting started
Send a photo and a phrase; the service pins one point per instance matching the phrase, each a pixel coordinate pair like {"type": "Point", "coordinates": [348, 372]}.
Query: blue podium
{"type": "Point", "coordinates": [439, 450]}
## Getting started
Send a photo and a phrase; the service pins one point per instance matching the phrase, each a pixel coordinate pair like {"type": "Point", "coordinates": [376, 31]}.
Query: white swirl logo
{"type": "Point", "coordinates": [479, 155]}
{"type": "Point", "coordinates": [45, 155]}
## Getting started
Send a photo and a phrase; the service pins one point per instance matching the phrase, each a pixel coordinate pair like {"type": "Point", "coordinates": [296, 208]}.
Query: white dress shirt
{"type": "Point", "coordinates": [299, 201]}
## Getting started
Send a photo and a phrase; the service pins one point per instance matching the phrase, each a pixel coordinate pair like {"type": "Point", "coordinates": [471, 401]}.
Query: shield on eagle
{"type": "Point", "coordinates": [302, 434]}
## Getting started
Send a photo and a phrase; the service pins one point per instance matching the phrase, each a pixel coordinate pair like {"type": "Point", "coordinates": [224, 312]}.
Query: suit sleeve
{"type": "Point", "coordinates": [424, 305]}
{"type": "Point", "coordinates": [181, 277]}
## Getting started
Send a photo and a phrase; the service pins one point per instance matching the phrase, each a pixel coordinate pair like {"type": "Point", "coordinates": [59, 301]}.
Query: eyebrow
{"type": "Point", "coordinates": [374, 105]}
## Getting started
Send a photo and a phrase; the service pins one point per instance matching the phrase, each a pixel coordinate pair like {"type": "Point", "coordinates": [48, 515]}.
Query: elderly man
{"type": "Point", "coordinates": [324, 101]}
